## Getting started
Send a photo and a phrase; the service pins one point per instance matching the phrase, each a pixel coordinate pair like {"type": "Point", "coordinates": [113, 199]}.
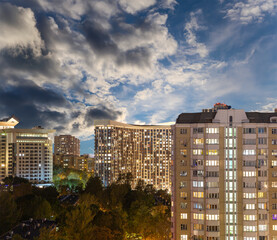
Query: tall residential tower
{"type": "Point", "coordinates": [225, 175]}
{"type": "Point", "coordinates": [142, 150]}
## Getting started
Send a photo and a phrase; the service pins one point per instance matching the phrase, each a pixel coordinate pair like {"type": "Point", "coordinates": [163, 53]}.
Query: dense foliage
{"type": "Point", "coordinates": [67, 179]}
{"type": "Point", "coordinates": [113, 213]}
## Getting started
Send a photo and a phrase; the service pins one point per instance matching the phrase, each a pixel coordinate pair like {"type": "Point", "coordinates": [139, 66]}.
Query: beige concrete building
{"type": "Point", "coordinates": [25, 153]}
{"type": "Point", "coordinates": [225, 175]}
{"type": "Point", "coordinates": [142, 150]}
{"type": "Point", "coordinates": [67, 145]}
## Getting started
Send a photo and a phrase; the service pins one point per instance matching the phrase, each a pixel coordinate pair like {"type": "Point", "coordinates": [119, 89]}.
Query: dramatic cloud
{"type": "Point", "coordinates": [66, 63]}
{"type": "Point", "coordinates": [135, 6]}
{"type": "Point", "coordinates": [18, 29]}
{"type": "Point", "coordinates": [252, 10]}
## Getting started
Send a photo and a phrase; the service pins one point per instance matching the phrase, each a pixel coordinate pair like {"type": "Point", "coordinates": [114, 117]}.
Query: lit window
{"type": "Point", "coordinates": [212, 130]}
{"type": "Point", "coordinates": [249, 152]}
{"type": "Point", "coordinates": [262, 228]}
{"type": "Point", "coordinates": [197, 151]}
{"type": "Point", "coordinates": [198, 141]}
{"type": "Point", "coordinates": [211, 152]}
{"type": "Point", "coordinates": [249, 217]}
{"type": "Point", "coordinates": [198, 194]}
{"type": "Point", "coordinates": [249, 195]}
{"type": "Point", "coordinates": [198, 216]}
{"type": "Point", "coordinates": [198, 206]}
{"type": "Point", "coordinates": [184, 237]}
{"type": "Point", "coordinates": [197, 183]}
{"type": "Point", "coordinates": [274, 152]}
{"type": "Point", "coordinates": [184, 216]}
{"type": "Point", "coordinates": [262, 206]}
{"type": "Point", "coordinates": [250, 228]}
{"type": "Point", "coordinates": [183, 195]}
{"type": "Point", "coordinates": [211, 163]}
{"type": "Point", "coordinates": [212, 141]}
{"type": "Point", "coordinates": [212, 217]}
{"type": "Point", "coordinates": [249, 173]}
{"type": "Point", "coordinates": [261, 194]}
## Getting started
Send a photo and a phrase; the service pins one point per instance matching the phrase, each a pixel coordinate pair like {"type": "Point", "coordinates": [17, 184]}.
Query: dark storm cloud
{"type": "Point", "coordinates": [56, 54]}
{"type": "Point", "coordinates": [24, 59]}
{"type": "Point", "coordinates": [138, 56]}
{"type": "Point", "coordinates": [102, 43]}
{"type": "Point", "coordinates": [100, 113]}
{"type": "Point", "coordinates": [99, 40]}
{"type": "Point", "coordinates": [31, 104]}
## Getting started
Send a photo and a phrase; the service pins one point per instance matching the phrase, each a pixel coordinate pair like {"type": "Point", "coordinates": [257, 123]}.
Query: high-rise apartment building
{"type": "Point", "coordinates": [225, 175]}
{"type": "Point", "coordinates": [67, 145]}
{"type": "Point", "coordinates": [144, 151]}
{"type": "Point", "coordinates": [25, 153]}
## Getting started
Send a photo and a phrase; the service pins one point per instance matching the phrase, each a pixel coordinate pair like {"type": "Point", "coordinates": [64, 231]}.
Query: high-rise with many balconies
{"type": "Point", "coordinates": [142, 150]}
{"type": "Point", "coordinates": [25, 153]}
{"type": "Point", "coordinates": [225, 175]}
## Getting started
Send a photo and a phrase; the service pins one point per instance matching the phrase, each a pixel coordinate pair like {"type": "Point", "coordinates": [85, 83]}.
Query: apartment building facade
{"type": "Point", "coordinates": [224, 175]}
{"type": "Point", "coordinates": [66, 145]}
{"type": "Point", "coordinates": [142, 150]}
{"type": "Point", "coordinates": [25, 153]}
{"type": "Point", "coordinates": [83, 163]}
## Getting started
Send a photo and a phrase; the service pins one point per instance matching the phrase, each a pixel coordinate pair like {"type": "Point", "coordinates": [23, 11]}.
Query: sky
{"type": "Point", "coordinates": [65, 63]}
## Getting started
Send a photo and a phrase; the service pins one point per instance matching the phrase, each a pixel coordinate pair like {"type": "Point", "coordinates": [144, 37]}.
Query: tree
{"type": "Point", "coordinates": [48, 193]}
{"type": "Point", "coordinates": [17, 237]}
{"type": "Point", "coordinates": [94, 186]}
{"type": "Point", "coordinates": [113, 220]}
{"type": "Point", "coordinates": [78, 223]}
{"type": "Point", "coordinates": [102, 233]}
{"type": "Point", "coordinates": [34, 207]}
{"type": "Point", "coordinates": [22, 189]}
{"type": "Point", "coordinates": [9, 214]}
{"type": "Point", "coordinates": [14, 180]}
{"type": "Point", "coordinates": [47, 234]}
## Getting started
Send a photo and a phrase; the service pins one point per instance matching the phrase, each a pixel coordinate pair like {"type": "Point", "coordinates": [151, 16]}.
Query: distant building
{"type": "Point", "coordinates": [25, 153]}
{"type": "Point", "coordinates": [142, 150]}
{"type": "Point", "coordinates": [224, 175]}
{"type": "Point", "coordinates": [67, 145]}
{"type": "Point", "coordinates": [65, 161]}
{"type": "Point", "coordinates": [83, 162]}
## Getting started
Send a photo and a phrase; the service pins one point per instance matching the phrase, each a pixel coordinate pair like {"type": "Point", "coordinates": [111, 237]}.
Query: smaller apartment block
{"type": "Point", "coordinates": [225, 175]}
{"type": "Point", "coordinates": [142, 150]}
{"type": "Point", "coordinates": [67, 145]}
{"type": "Point", "coordinates": [82, 163]}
